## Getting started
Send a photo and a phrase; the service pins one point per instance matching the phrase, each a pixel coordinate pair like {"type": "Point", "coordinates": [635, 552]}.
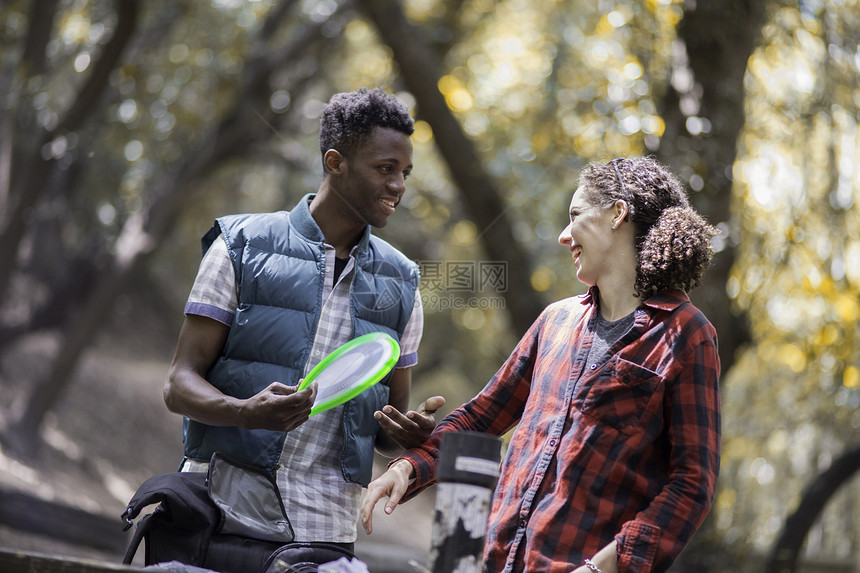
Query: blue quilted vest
{"type": "Point", "coordinates": [279, 261]}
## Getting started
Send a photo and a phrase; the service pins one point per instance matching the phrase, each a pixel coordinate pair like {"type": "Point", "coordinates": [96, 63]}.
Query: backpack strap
{"type": "Point", "coordinates": [140, 533]}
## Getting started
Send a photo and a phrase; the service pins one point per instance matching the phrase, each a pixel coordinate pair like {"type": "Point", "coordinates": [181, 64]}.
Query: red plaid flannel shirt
{"type": "Point", "coordinates": [627, 450]}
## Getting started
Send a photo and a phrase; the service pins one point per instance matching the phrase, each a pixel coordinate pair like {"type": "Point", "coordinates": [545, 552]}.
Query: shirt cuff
{"type": "Point", "coordinates": [407, 360]}
{"type": "Point", "coordinates": [425, 467]}
{"type": "Point", "coordinates": [209, 311]}
{"type": "Point", "coordinates": [637, 546]}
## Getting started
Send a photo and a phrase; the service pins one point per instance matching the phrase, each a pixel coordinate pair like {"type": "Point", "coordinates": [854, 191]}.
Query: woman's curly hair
{"type": "Point", "coordinates": [350, 116]}
{"type": "Point", "coordinates": [673, 242]}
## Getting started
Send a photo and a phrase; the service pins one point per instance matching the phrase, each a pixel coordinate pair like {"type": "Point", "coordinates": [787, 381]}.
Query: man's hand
{"type": "Point", "coordinates": [187, 391]}
{"type": "Point", "coordinates": [278, 407]}
{"type": "Point", "coordinates": [413, 428]}
{"type": "Point", "coordinates": [393, 484]}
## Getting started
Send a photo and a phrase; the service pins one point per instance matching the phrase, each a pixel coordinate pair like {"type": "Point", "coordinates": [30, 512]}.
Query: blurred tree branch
{"type": "Point", "coordinates": [783, 556]}
{"type": "Point", "coordinates": [420, 71]}
{"type": "Point", "coordinates": [718, 39]}
{"type": "Point", "coordinates": [30, 168]}
{"type": "Point", "coordinates": [144, 230]}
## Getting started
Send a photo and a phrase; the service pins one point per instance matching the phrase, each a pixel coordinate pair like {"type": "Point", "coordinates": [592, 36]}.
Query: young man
{"type": "Point", "coordinates": [275, 294]}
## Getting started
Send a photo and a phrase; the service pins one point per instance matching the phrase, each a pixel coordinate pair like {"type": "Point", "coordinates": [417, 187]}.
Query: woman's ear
{"type": "Point", "coordinates": [620, 212]}
{"type": "Point", "coordinates": [333, 161]}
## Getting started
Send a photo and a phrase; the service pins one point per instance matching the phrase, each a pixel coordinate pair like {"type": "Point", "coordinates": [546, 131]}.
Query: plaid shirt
{"type": "Point", "coordinates": [627, 449]}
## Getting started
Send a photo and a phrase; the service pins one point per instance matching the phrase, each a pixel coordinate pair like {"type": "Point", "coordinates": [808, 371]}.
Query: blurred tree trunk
{"type": "Point", "coordinates": [144, 231]}
{"type": "Point", "coordinates": [783, 557]}
{"type": "Point", "coordinates": [24, 140]}
{"type": "Point", "coordinates": [718, 38]}
{"type": "Point", "coordinates": [68, 274]}
{"type": "Point", "coordinates": [32, 175]}
{"type": "Point", "coordinates": [420, 70]}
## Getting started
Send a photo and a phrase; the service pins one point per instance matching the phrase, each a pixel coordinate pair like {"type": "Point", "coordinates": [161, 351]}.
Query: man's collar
{"type": "Point", "coordinates": [304, 223]}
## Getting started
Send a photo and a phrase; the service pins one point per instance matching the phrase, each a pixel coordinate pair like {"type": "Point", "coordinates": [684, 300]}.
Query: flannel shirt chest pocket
{"type": "Point", "coordinates": [623, 395]}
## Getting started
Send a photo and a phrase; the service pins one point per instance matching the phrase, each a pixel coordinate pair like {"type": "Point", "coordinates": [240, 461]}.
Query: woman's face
{"type": "Point", "coordinates": [589, 238]}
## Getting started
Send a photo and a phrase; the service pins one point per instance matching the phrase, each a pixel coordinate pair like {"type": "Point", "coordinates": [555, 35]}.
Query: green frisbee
{"type": "Point", "coordinates": [351, 369]}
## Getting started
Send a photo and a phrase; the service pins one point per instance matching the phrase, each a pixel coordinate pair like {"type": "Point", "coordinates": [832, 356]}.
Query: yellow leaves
{"type": "Point", "coordinates": [792, 356]}
{"type": "Point", "coordinates": [376, 64]}
{"type": "Point", "coordinates": [504, 75]}
{"type": "Point", "coordinates": [472, 318]}
{"type": "Point", "coordinates": [541, 140]}
{"type": "Point", "coordinates": [818, 284]}
{"type": "Point", "coordinates": [726, 499]}
{"type": "Point", "coordinates": [542, 278]}
{"type": "Point", "coordinates": [456, 95]}
{"type": "Point", "coordinates": [419, 11]}
{"type": "Point", "coordinates": [653, 124]}
{"type": "Point", "coordinates": [459, 100]}
{"type": "Point", "coordinates": [604, 28]}
{"type": "Point", "coordinates": [426, 205]}
{"type": "Point", "coordinates": [358, 31]}
{"type": "Point", "coordinates": [847, 307]}
{"type": "Point", "coordinates": [740, 447]}
{"type": "Point", "coordinates": [827, 336]}
{"type": "Point", "coordinates": [423, 132]}
{"type": "Point", "coordinates": [465, 232]}
{"type": "Point", "coordinates": [851, 377]}
{"type": "Point", "coordinates": [671, 11]}
{"type": "Point", "coordinates": [777, 443]}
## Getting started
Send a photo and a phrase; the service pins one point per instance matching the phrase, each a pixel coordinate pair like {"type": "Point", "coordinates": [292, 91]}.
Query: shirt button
{"type": "Point", "coordinates": [594, 366]}
{"type": "Point", "coordinates": [552, 442]}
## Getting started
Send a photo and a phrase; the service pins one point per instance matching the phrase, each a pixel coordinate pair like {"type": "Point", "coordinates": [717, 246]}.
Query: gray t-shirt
{"type": "Point", "coordinates": [606, 334]}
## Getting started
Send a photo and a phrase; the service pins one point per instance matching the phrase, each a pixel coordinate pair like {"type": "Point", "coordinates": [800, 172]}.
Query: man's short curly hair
{"type": "Point", "coordinates": [673, 242]}
{"type": "Point", "coordinates": [350, 116]}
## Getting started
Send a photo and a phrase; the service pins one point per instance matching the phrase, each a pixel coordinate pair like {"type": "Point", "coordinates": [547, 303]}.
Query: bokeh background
{"type": "Point", "coordinates": [126, 127]}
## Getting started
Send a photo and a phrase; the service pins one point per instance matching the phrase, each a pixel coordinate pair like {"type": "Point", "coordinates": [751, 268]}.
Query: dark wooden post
{"type": "Point", "coordinates": [468, 472]}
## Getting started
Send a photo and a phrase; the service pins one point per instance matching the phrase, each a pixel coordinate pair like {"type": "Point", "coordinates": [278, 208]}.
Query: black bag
{"type": "Point", "coordinates": [230, 519]}
{"type": "Point", "coordinates": [304, 557]}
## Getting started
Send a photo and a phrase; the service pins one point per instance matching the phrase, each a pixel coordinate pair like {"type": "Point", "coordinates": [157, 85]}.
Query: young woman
{"type": "Point", "coordinates": [614, 393]}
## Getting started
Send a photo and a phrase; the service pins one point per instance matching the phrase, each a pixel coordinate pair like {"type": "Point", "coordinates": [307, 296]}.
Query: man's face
{"type": "Point", "coordinates": [374, 178]}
